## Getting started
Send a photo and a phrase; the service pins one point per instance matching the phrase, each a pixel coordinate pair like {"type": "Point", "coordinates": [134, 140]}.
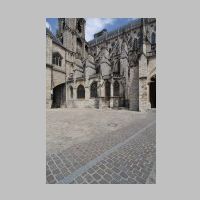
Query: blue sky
{"type": "Point", "coordinates": [93, 25]}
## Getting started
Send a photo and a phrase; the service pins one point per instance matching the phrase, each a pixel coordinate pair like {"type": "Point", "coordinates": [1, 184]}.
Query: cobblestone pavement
{"type": "Point", "coordinates": [126, 155]}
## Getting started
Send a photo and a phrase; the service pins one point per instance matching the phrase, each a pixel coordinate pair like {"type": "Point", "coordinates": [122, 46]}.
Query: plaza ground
{"type": "Point", "coordinates": [100, 146]}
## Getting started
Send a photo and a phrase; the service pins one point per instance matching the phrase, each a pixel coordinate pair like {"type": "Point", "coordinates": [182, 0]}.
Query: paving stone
{"type": "Point", "coordinates": [48, 172]}
{"type": "Point", "coordinates": [51, 179]}
{"type": "Point", "coordinates": [116, 169]}
{"type": "Point", "coordinates": [94, 182]}
{"type": "Point", "coordinates": [79, 179]}
{"type": "Point", "coordinates": [88, 178]}
{"type": "Point", "coordinates": [107, 177]}
{"type": "Point", "coordinates": [140, 180]}
{"type": "Point", "coordinates": [102, 181]}
{"type": "Point", "coordinates": [56, 171]}
{"type": "Point", "coordinates": [130, 163]}
{"type": "Point", "coordinates": [96, 176]}
{"type": "Point", "coordinates": [59, 177]}
{"type": "Point", "coordinates": [116, 177]}
{"type": "Point", "coordinates": [102, 166]}
{"type": "Point", "coordinates": [132, 181]}
{"type": "Point", "coordinates": [115, 182]}
{"type": "Point", "coordinates": [124, 175]}
{"type": "Point", "coordinates": [101, 172]}
{"type": "Point", "coordinates": [91, 171]}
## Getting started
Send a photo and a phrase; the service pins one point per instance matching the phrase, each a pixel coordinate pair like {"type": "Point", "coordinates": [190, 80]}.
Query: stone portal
{"type": "Point", "coordinates": [153, 92]}
{"type": "Point", "coordinates": [59, 96]}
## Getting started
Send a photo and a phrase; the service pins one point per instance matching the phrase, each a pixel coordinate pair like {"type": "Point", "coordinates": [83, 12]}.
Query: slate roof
{"type": "Point", "coordinates": [54, 38]}
{"type": "Point", "coordinates": [112, 34]}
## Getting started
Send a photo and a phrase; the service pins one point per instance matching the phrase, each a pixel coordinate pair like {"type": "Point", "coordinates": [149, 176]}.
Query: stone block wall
{"type": "Point", "coordinates": [134, 89]}
{"type": "Point", "coordinates": [48, 87]}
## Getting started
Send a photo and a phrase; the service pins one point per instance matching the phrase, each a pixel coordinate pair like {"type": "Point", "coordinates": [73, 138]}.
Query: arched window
{"type": "Point", "coordinates": [71, 92]}
{"type": "Point", "coordinates": [116, 88]}
{"type": "Point", "coordinates": [80, 92]}
{"type": "Point", "coordinates": [57, 59]}
{"type": "Point", "coordinates": [153, 38]}
{"type": "Point", "coordinates": [93, 89]}
{"type": "Point", "coordinates": [107, 89]}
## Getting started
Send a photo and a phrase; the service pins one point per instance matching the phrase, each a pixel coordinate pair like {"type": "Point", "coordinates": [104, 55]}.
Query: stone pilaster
{"type": "Point", "coordinates": [111, 95]}
{"type": "Point", "coordinates": [134, 89]}
{"type": "Point", "coordinates": [143, 95]}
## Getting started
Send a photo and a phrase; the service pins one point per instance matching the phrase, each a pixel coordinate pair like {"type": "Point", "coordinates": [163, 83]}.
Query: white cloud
{"type": "Point", "coordinates": [48, 26]}
{"type": "Point", "coordinates": [94, 25]}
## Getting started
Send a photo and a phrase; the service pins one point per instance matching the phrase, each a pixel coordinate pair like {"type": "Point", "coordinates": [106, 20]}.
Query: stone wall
{"type": "Point", "coordinates": [48, 87]}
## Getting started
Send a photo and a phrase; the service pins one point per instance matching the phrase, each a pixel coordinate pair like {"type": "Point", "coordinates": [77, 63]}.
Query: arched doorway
{"type": "Point", "coordinates": [107, 90]}
{"type": "Point", "coordinates": [81, 92]}
{"type": "Point", "coordinates": [58, 96]}
{"type": "Point", "coordinates": [152, 90]}
{"type": "Point", "coordinates": [107, 93]}
{"type": "Point", "coordinates": [116, 88]}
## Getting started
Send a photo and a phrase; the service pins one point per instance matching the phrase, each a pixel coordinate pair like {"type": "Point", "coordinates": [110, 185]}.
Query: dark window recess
{"type": "Point", "coordinates": [71, 92]}
{"type": "Point", "coordinates": [116, 88]}
{"type": "Point", "coordinates": [107, 89]}
{"type": "Point", "coordinates": [79, 42]}
{"type": "Point", "coordinates": [80, 92]}
{"type": "Point", "coordinates": [93, 90]}
{"type": "Point", "coordinates": [79, 27]}
{"type": "Point", "coordinates": [153, 38]}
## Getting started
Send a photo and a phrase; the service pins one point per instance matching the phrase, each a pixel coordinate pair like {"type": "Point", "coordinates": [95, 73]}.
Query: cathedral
{"type": "Point", "coordinates": [114, 70]}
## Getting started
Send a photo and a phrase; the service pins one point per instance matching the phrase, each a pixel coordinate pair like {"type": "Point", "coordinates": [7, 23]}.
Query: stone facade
{"type": "Point", "coordinates": [115, 69]}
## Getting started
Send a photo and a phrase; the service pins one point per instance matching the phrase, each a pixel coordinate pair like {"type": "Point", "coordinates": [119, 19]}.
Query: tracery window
{"type": "Point", "coordinates": [57, 59]}
{"type": "Point", "coordinates": [81, 92]}
{"type": "Point", "coordinates": [116, 88]}
{"type": "Point", "coordinates": [93, 89]}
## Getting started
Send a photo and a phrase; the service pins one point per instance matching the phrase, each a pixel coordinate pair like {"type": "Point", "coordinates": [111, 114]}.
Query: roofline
{"type": "Point", "coordinates": [109, 34]}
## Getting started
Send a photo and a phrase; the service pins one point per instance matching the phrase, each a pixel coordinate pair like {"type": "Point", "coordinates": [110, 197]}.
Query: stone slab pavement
{"type": "Point", "coordinates": [125, 155]}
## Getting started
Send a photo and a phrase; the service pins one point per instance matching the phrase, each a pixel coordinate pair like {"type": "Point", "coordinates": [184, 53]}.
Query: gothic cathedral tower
{"type": "Point", "coordinates": [71, 32]}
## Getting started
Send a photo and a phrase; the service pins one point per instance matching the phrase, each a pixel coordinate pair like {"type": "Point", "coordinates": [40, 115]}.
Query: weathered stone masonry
{"type": "Point", "coordinates": [115, 69]}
